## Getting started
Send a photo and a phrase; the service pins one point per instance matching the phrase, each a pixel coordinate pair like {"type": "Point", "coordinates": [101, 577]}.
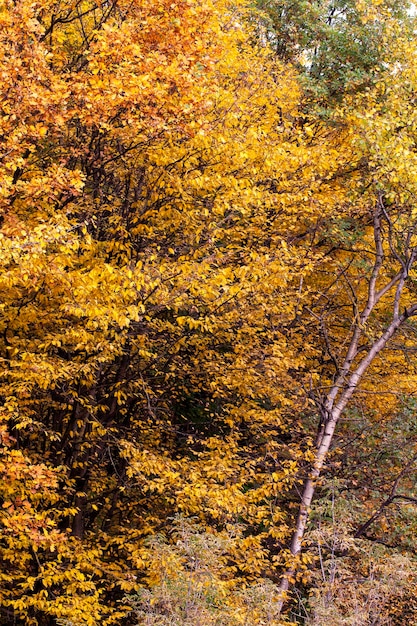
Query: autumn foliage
{"type": "Point", "coordinates": [203, 259]}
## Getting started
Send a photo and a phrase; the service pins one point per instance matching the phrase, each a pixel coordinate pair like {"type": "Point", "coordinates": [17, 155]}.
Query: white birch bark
{"type": "Point", "coordinates": [348, 379]}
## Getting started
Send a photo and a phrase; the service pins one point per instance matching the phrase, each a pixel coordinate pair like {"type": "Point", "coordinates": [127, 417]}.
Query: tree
{"type": "Point", "coordinates": [340, 46]}
{"type": "Point", "coordinates": [181, 267]}
{"type": "Point", "coordinates": [143, 250]}
{"type": "Point", "coordinates": [373, 297]}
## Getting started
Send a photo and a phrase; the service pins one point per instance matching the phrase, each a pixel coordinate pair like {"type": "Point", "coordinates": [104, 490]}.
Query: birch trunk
{"type": "Point", "coordinates": [347, 381]}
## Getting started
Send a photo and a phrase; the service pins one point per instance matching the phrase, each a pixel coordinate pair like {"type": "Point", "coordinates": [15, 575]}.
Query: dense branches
{"type": "Point", "coordinates": [200, 274]}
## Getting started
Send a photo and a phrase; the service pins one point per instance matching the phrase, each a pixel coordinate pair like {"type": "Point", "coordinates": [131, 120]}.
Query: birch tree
{"type": "Point", "coordinates": [375, 270]}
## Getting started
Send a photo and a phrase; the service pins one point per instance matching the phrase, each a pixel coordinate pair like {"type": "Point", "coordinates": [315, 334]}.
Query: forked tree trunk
{"type": "Point", "coordinates": [347, 381]}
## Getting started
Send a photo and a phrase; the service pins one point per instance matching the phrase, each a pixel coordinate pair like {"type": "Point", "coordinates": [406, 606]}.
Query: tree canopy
{"type": "Point", "coordinates": [207, 269]}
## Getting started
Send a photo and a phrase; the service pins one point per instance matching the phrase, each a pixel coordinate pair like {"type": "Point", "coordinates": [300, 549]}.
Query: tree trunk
{"type": "Point", "coordinates": [347, 382]}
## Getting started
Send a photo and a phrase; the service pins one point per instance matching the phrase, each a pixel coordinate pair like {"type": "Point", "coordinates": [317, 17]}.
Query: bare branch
{"type": "Point", "coordinates": [392, 496]}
